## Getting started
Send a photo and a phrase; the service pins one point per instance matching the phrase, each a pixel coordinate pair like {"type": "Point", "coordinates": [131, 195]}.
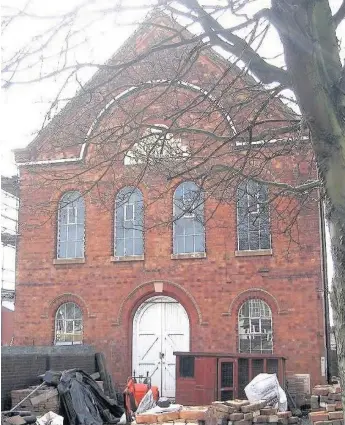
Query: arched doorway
{"type": "Point", "coordinates": [160, 327]}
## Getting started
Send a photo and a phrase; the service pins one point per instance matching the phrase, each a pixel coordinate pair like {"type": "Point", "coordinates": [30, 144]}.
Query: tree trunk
{"type": "Point", "coordinates": [336, 219]}
{"type": "Point", "coordinates": [312, 59]}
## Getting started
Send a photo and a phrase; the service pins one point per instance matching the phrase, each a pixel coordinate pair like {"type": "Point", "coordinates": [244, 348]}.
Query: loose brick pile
{"type": "Point", "coordinates": [326, 397]}
{"type": "Point", "coordinates": [241, 412]}
{"type": "Point", "coordinates": [327, 418]}
{"type": "Point", "coordinates": [186, 415]}
{"type": "Point", "coordinates": [232, 412]}
{"type": "Point", "coordinates": [326, 405]}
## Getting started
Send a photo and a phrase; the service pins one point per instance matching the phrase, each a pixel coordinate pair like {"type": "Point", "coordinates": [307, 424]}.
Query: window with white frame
{"type": "Point", "coordinates": [155, 145]}
{"type": "Point", "coordinates": [255, 327]}
{"type": "Point", "coordinates": [71, 226]}
{"type": "Point", "coordinates": [189, 227]}
{"type": "Point", "coordinates": [68, 324]}
{"type": "Point", "coordinates": [129, 221]}
{"type": "Point", "coordinates": [253, 223]}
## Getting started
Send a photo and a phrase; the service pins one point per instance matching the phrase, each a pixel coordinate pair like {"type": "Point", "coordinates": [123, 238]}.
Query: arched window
{"type": "Point", "coordinates": [156, 145]}
{"type": "Point", "coordinates": [255, 327]}
{"type": "Point", "coordinates": [253, 227]}
{"type": "Point", "coordinates": [129, 223]}
{"type": "Point", "coordinates": [189, 228]}
{"type": "Point", "coordinates": [71, 226]}
{"type": "Point", "coordinates": [68, 325]}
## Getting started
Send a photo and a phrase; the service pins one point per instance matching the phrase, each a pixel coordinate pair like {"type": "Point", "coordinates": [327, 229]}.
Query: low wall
{"type": "Point", "coordinates": [20, 366]}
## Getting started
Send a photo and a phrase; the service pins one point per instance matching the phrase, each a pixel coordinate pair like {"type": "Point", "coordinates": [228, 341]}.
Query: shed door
{"type": "Point", "coordinates": [160, 327]}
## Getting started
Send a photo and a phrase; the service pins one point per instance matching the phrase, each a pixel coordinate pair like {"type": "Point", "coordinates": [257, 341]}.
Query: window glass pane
{"type": "Point", "coordinates": [138, 246]}
{"type": "Point", "coordinates": [119, 249]}
{"type": "Point", "coordinates": [199, 243]}
{"type": "Point", "coordinates": [71, 250]}
{"type": "Point", "coordinates": [63, 233]}
{"type": "Point", "coordinates": [188, 227]}
{"type": "Point", "coordinates": [77, 326]}
{"type": "Point", "coordinates": [71, 215]}
{"type": "Point", "coordinates": [254, 240]}
{"type": "Point", "coordinates": [129, 212]}
{"type": "Point", "coordinates": [62, 250]}
{"type": "Point", "coordinates": [179, 245]}
{"type": "Point", "coordinates": [129, 247]}
{"type": "Point", "coordinates": [77, 312]}
{"type": "Point", "coordinates": [189, 244]}
{"type": "Point", "coordinates": [72, 233]}
{"type": "Point", "coordinates": [120, 214]}
{"type": "Point", "coordinates": [79, 249]}
{"type": "Point", "coordinates": [80, 232]}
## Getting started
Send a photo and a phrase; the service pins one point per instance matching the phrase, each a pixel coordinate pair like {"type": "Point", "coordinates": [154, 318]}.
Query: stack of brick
{"type": "Point", "coordinates": [326, 397]}
{"type": "Point", "coordinates": [327, 418]}
{"type": "Point", "coordinates": [186, 415]}
{"type": "Point", "coordinates": [241, 412]}
{"type": "Point", "coordinates": [52, 404]}
{"type": "Point", "coordinates": [232, 412]}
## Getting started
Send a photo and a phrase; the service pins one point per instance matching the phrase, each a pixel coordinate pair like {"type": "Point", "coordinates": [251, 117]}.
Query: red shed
{"type": "Point", "coordinates": [205, 377]}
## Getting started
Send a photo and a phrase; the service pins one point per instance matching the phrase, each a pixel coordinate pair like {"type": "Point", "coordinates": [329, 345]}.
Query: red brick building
{"type": "Point", "coordinates": [110, 269]}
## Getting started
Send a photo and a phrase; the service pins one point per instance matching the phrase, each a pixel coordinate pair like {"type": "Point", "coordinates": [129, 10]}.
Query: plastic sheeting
{"type": "Point", "coordinates": [84, 402]}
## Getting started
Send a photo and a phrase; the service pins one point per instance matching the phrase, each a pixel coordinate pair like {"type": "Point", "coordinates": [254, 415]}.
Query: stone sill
{"type": "Point", "coordinates": [58, 261]}
{"type": "Point", "coordinates": [253, 253]}
{"type": "Point", "coordinates": [194, 255]}
{"type": "Point", "coordinates": [129, 258]}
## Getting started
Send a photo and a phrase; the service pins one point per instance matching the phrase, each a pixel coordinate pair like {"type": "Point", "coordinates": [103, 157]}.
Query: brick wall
{"type": "Point", "coordinates": [211, 289]}
{"type": "Point", "coordinates": [20, 366]}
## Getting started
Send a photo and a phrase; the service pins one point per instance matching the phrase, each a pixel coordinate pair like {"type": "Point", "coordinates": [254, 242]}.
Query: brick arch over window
{"type": "Point", "coordinates": [247, 294]}
{"type": "Point", "coordinates": [52, 307]}
{"type": "Point", "coordinates": [148, 289]}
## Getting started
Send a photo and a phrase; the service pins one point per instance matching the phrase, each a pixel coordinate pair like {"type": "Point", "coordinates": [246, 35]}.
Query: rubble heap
{"type": "Point", "coordinates": [326, 397]}
{"type": "Point", "coordinates": [232, 412]}
{"type": "Point", "coordinates": [242, 412]}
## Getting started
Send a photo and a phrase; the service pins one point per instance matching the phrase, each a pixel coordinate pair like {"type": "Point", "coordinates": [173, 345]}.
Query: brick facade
{"type": "Point", "coordinates": [211, 289]}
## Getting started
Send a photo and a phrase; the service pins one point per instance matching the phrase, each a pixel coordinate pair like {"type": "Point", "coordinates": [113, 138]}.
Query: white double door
{"type": "Point", "coordinates": [160, 327]}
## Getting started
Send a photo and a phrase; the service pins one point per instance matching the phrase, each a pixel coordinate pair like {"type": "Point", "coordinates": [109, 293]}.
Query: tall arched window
{"type": "Point", "coordinates": [129, 223]}
{"type": "Point", "coordinates": [253, 227]}
{"type": "Point", "coordinates": [255, 327]}
{"type": "Point", "coordinates": [68, 325]}
{"type": "Point", "coordinates": [189, 228]}
{"type": "Point", "coordinates": [71, 226]}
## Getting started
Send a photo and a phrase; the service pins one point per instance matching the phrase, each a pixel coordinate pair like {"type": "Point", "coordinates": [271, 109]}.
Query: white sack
{"type": "Point", "coordinates": [50, 418]}
{"type": "Point", "coordinates": [266, 387]}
